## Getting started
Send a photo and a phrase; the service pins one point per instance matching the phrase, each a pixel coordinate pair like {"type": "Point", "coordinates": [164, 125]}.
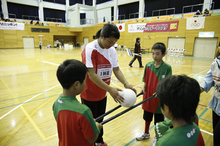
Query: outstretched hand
{"type": "Point", "coordinates": [115, 94]}
{"type": "Point", "coordinates": [129, 86]}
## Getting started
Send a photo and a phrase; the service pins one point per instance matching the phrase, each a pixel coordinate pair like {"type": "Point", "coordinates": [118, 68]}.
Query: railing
{"type": "Point", "coordinates": [100, 20]}
{"type": "Point", "coordinates": [166, 10]}
{"type": "Point", "coordinates": [10, 15]}
{"type": "Point", "coordinates": [145, 14]}
{"type": "Point", "coordinates": [86, 21]}
{"type": "Point", "coordinates": [197, 5]}
{"type": "Point", "coordinates": [192, 6]}
{"type": "Point", "coordinates": [53, 19]}
{"type": "Point", "coordinates": [136, 15]}
{"type": "Point", "coordinates": [30, 17]}
{"type": "Point", "coordinates": [121, 17]}
{"type": "Point", "coordinates": [133, 15]}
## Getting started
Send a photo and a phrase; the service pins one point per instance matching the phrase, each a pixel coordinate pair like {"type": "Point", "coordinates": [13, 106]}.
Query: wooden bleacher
{"type": "Point", "coordinates": [141, 19]}
{"type": "Point", "coordinates": [55, 24]}
{"type": "Point", "coordinates": [161, 18]}
{"type": "Point", "coordinates": [166, 17]}
{"type": "Point", "coordinates": [34, 22]}
{"type": "Point", "coordinates": [103, 23]}
{"type": "Point", "coordinates": [189, 15]}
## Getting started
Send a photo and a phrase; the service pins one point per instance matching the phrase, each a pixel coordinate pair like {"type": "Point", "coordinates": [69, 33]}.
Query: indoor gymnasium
{"type": "Point", "coordinates": [36, 36]}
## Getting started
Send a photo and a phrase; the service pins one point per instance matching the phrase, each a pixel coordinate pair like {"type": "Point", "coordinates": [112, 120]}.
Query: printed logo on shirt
{"type": "Point", "coordinates": [60, 101]}
{"type": "Point", "coordinates": [104, 71]}
{"type": "Point", "coordinates": [163, 76]}
{"type": "Point", "coordinates": [191, 133]}
{"type": "Point", "coordinates": [149, 65]}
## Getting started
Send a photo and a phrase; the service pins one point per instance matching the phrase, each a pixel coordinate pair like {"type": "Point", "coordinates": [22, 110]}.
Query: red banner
{"type": "Point", "coordinates": [162, 26]}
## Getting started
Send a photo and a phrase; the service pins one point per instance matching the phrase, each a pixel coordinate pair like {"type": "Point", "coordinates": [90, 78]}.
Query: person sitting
{"type": "Point", "coordinates": [37, 23]}
{"type": "Point", "coordinates": [198, 12]}
{"type": "Point", "coordinates": [206, 12]}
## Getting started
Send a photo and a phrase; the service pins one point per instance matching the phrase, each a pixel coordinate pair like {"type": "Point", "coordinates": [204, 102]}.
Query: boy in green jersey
{"type": "Point", "coordinates": [154, 72]}
{"type": "Point", "coordinates": [178, 98]}
{"type": "Point", "coordinates": [75, 122]}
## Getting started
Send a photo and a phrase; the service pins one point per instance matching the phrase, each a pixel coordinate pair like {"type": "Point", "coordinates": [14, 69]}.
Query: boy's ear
{"type": "Point", "coordinates": [76, 84]}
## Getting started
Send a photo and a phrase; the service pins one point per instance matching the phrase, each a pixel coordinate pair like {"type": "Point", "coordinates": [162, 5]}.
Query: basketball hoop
{"type": "Point", "coordinates": [41, 36]}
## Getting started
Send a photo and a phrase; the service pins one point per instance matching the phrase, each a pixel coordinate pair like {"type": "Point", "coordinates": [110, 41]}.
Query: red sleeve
{"type": "Point", "coordinates": [86, 127]}
{"type": "Point", "coordinates": [197, 122]}
{"type": "Point", "coordinates": [200, 141]}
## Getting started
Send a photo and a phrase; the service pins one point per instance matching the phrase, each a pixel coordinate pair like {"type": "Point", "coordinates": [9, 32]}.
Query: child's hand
{"type": "Point", "coordinates": [98, 125]}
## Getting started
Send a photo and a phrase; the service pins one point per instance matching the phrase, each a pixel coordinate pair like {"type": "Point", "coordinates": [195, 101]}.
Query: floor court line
{"type": "Point", "coordinates": [26, 101]}
{"type": "Point", "coordinates": [27, 95]}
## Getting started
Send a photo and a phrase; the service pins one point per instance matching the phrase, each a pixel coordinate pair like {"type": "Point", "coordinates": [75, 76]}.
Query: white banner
{"type": "Point", "coordinates": [121, 26]}
{"type": "Point", "coordinates": [12, 25]}
{"type": "Point", "coordinates": [139, 27]}
{"type": "Point", "coordinates": [195, 23]}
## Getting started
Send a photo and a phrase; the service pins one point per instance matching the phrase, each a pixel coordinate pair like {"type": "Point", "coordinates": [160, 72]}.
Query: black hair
{"type": "Point", "coordinates": [110, 30]}
{"type": "Point", "coordinates": [137, 39]}
{"type": "Point", "coordinates": [181, 94]}
{"type": "Point", "coordinates": [98, 33]}
{"type": "Point", "coordinates": [159, 46]}
{"type": "Point", "coordinates": [71, 71]}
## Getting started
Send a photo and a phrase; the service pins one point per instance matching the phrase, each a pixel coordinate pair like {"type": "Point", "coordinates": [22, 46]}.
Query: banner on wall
{"type": "Point", "coordinates": [195, 23]}
{"type": "Point", "coordinates": [162, 26]}
{"type": "Point", "coordinates": [12, 25]}
{"type": "Point", "coordinates": [121, 26]}
{"type": "Point", "coordinates": [154, 27]}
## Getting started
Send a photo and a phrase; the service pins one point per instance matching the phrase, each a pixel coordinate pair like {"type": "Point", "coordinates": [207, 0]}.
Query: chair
{"type": "Point", "coordinates": [129, 52]}
{"type": "Point", "coordinates": [168, 51]}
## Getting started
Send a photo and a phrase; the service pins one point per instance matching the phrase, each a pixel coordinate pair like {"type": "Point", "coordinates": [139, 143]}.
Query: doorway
{"type": "Point", "coordinates": [85, 40]}
{"type": "Point", "coordinates": [177, 43]}
{"type": "Point", "coordinates": [205, 47]}
{"type": "Point", "coordinates": [28, 42]}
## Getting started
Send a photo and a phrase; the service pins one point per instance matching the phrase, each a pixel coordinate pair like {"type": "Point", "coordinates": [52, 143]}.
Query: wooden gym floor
{"type": "Point", "coordinates": [29, 87]}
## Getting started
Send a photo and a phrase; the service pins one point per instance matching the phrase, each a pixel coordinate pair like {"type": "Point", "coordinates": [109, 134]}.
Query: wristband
{"type": "Point", "coordinates": [125, 83]}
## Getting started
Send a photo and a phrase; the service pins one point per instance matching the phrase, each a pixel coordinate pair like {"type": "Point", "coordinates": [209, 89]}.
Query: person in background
{"type": "Point", "coordinates": [58, 43]}
{"type": "Point", "coordinates": [62, 43]}
{"type": "Point", "coordinates": [206, 12]}
{"type": "Point", "coordinates": [137, 53]}
{"type": "Point", "coordinates": [40, 44]}
{"type": "Point", "coordinates": [198, 12]}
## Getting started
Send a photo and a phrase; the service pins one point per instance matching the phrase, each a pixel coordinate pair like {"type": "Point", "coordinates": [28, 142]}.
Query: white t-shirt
{"type": "Point", "coordinates": [104, 60]}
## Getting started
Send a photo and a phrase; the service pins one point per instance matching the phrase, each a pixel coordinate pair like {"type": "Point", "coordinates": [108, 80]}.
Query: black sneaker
{"type": "Point", "coordinates": [141, 66]}
{"type": "Point", "coordinates": [130, 65]}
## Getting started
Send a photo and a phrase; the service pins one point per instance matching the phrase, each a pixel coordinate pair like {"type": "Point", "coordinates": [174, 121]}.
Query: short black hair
{"type": "Point", "coordinates": [70, 71]}
{"type": "Point", "coordinates": [98, 33]}
{"type": "Point", "coordinates": [137, 39]}
{"type": "Point", "coordinates": [159, 46]}
{"type": "Point", "coordinates": [110, 30]}
{"type": "Point", "coordinates": [181, 94]}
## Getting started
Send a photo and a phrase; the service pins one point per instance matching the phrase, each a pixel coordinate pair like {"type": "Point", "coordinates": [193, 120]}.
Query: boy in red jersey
{"type": "Point", "coordinates": [154, 72]}
{"type": "Point", "coordinates": [75, 122]}
{"type": "Point", "coordinates": [178, 98]}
